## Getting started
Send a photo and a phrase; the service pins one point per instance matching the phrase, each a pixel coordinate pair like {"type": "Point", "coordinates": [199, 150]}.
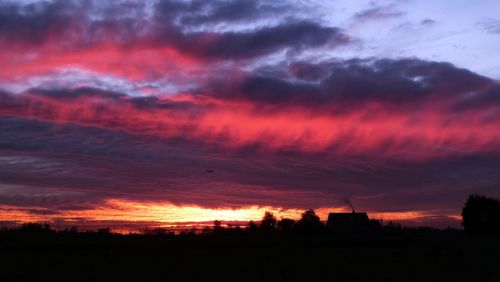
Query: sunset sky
{"type": "Point", "coordinates": [160, 112]}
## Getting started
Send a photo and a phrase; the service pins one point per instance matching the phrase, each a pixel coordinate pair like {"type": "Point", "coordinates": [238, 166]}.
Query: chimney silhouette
{"type": "Point", "coordinates": [348, 202]}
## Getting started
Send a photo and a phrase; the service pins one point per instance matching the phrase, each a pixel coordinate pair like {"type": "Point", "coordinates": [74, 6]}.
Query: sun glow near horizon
{"type": "Point", "coordinates": [162, 213]}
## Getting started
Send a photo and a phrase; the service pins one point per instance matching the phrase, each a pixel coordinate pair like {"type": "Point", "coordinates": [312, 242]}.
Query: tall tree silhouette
{"type": "Point", "coordinates": [310, 223]}
{"type": "Point", "coordinates": [268, 221]}
{"type": "Point", "coordinates": [286, 224]}
{"type": "Point", "coordinates": [481, 216]}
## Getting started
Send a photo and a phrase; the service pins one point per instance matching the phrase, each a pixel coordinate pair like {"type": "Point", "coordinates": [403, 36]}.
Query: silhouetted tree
{"type": "Point", "coordinates": [193, 232]}
{"type": "Point", "coordinates": [218, 226]}
{"type": "Point", "coordinates": [392, 228]}
{"type": "Point", "coordinates": [310, 223]}
{"type": "Point", "coordinates": [73, 229]}
{"type": "Point", "coordinates": [481, 216]}
{"type": "Point", "coordinates": [35, 227]}
{"type": "Point", "coordinates": [104, 231]}
{"type": "Point", "coordinates": [252, 226]}
{"type": "Point", "coordinates": [286, 224]}
{"type": "Point", "coordinates": [157, 232]}
{"type": "Point", "coordinates": [268, 221]}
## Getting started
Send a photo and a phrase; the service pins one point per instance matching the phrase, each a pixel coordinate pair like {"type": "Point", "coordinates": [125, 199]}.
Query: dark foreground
{"type": "Point", "coordinates": [94, 257]}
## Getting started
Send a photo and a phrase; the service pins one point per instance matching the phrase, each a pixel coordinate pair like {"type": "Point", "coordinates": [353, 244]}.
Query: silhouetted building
{"type": "Point", "coordinates": [352, 223]}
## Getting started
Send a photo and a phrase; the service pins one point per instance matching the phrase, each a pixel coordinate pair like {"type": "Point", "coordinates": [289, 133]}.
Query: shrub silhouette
{"type": "Point", "coordinates": [481, 216]}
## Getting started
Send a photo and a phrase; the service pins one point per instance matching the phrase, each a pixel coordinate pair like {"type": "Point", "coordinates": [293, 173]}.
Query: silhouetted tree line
{"type": "Point", "coordinates": [481, 217]}
{"type": "Point", "coordinates": [308, 224]}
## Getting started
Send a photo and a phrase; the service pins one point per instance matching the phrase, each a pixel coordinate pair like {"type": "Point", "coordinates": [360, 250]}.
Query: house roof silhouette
{"type": "Point", "coordinates": [351, 223]}
{"type": "Point", "coordinates": [348, 217]}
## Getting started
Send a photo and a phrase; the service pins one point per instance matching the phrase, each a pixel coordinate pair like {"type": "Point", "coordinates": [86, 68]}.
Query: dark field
{"type": "Point", "coordinates": [80, 257]}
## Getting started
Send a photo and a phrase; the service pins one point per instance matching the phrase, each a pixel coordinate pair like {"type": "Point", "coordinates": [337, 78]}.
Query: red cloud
{"type": "Point", "coordinates": [370, 129]}
{"type": "Point", "coordinates": [133, 63]}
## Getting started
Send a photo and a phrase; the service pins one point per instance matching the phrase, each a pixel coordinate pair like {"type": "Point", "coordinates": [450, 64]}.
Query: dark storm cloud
{"type": "Point", "coordinates": [203, 12]}
{"type": "Point", "coordinates": [484, 99]}
{"type": "Point", "coordinates": [86, 93]}
{"type": "Point", "coordinates": [73, 94]}
{"type": "Point", "coordinates": [34, 23]}
{"type": "Point", "coordinates": [265, 40]}
{"type": "Point", "coordinates": [291, 33]}
{"type": "Point", "coordinates": [78, 23]}
{"type": "Point", "coordinates": [37, 97]}
{"type": "Point", "coordinates": [406, 82]}
{"type": "Point", "coordinates": [75, 25]}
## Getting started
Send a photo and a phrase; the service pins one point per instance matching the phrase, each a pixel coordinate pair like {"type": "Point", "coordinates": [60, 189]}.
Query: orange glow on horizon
{"type": "Point", "coordinates": [166, 213]}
